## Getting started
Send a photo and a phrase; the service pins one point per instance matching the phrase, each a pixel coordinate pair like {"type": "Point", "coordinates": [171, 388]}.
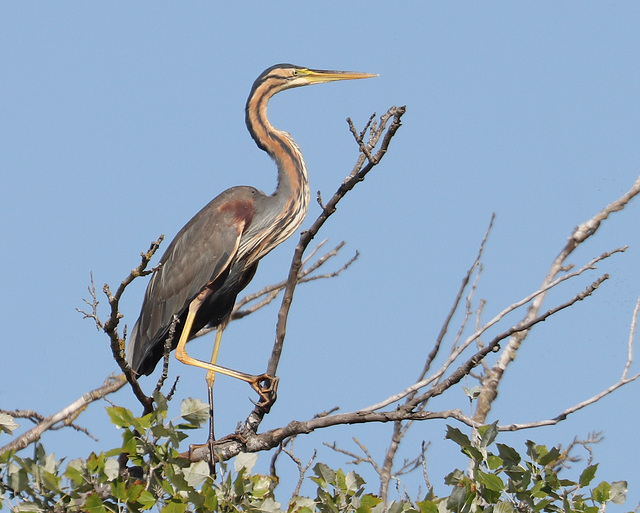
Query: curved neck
{"type": "Point", "coordinates": [292, 171]}
{"type": "Point", "coordinates": [292, 192]}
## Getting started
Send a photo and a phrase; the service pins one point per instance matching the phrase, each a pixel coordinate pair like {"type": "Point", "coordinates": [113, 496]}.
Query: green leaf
{"type": "Point", "coordinates": [494, 462]}
{"type": "Point", "coordinates": [472, 393]}
{"type": "Point", "coordinates": [490, 481]}
{"type": "Point", "coordinates": [367, 502]}
{"type": "Point", "coordinates": [7, 425]}
{"type": "Point", "coordinates": [120, 416]}
{"type": "Point", "coordinates": [18, 478]}
{"type": "Point", "coordinates": [488, 434]}
{"type": "Point", "coordinates": [245, 460]}
{"type": "Point", "coordinates": [325, 475]}
{"type": "Point", "coordinates": [129, 444]}
{"type": "Point", "coordinates": [537, 490]}
{"type": "Point", "coordinates": [457, 436]}
{"type": "Point", "coordinates": [533, 450]}
{"type": "Point", "coordinates": [49, 463]}
{"type": "Point", "coordinates": [5, 457]}
{"type": "Point", "coordinates": [95, 463]}
{"type": "Point", "coordinates": [94, 504]}
{"type": "Point", "coordinates": [549, 457]}
{"type": "Point", "coordinates": [602, 492]}
{"type": "Point", "coordinates": [141, 424]}
{"type": "Point", "coordinates": [146, 499]}
{"type": "Point", "coordinates": [473, 453]}
{"type": "Point", "coordinates": [587, 475]}
{"type": "Point", "coordinates": [503, 507]}
{"type": "Point", "coordinates": [270, 506]}
{"type": "Point", "coordinates": [508, 454]}
{"type": "Point", "coordinates": [456, 500]}
{"type": "Point", "coordinates": [194, 411]}
{"type": "Point", "coordinates": [76, 471]}
{"type": "Point", "coordinates": [428, 507]}
{"type": "Point", "coordinates": [133, 492]}
{"type": "Point", "coordinates": [161, 405]}
{"type": "Point", "coordinates": [353, 481]}
{"type": "Point", "coordinates": [396, 507]}
{"type": "Point", "coordinates": [111, 469]}
{"type": "Point", "coordinates": [118, 490]}
{"type": "Point", "coordinates": [52, 481]}
{"type": "Point", "coordinates": [340, 481]}
{"type": "Point", "coordinates": [618, 492]}
{"type": "Point", "coordinates": [174, 507]}
{"type": "Point", "coordinates": [454, 477]}
{"type": "Point", "coordinates": [197, 473]}
{"type": "Point", "coordinates": [302, 505]}
{"type": "Point", "coordinates": [542, 505]}
{"type": "Point", "coordinates": [261, 486]}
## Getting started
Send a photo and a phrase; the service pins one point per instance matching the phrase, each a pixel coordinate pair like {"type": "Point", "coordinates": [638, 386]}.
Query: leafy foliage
{"type": "Point", "coordinates": [499, 479]}
{"type": "Point", "coordinates": [505, 483]}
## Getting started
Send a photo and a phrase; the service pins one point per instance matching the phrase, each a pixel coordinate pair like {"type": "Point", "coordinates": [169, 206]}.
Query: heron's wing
{"type": "Point", "coordinates": [199, 254]}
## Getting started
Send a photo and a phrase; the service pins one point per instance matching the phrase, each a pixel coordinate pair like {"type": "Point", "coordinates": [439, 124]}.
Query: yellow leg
{"type": "Point", "coordinates": [211, 375]}
{"type": "Point", "coordinates": [263, 384]}
{"type": "Point", "coordinates": [181, 354]}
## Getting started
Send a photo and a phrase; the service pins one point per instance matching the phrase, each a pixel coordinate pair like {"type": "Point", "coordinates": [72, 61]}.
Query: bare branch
{"type": "Point", "coordinates": [93, 304]}
{"type": "Point", "coordinates": [36, 418]}
{"type": "Point", "coordinates": [562, 416]}
{"type": "Point", "coordinates": [269, 439]}
{"type": "Point", "coordinates": [466, 367]}
{"type": "Point", "coordinates": [267, 294]}
{"type": "Point", "coordinates": [456, 303]}
{"type": "Point", "coordinates": [302, 469]}
{"type": "Point", "coordinates": [480, 354]}
{"type": "Point", "coordinates": [631, 339]}
{"type": "Point", "coordinates": [357, 459]}
{"type": "Point", "coordinates": [389, 457]}
{"type": "Point", "coordinates": [111, 385]}
{"type": "Point", "coordinates": [166, 353]}
{"type": "Point", "coordinates": [577, 237]}
{"type": "Point", "coordinates": [111, 326]}
{"type": "Point", "coordinates": [252, 442]}
{"type": "Point", "coordinates": [67, 415]}
{"type": "Point", "coordinates": [357, 175]}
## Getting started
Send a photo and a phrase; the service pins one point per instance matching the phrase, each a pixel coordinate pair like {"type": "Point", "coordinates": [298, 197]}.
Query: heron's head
{"type": "Point", "coordinates": [287, 76]}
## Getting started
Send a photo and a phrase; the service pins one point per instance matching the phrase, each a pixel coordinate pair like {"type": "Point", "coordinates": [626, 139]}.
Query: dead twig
{"type": "Point", "coordinates": [580, 234]}
{"type": "Point", "coordinates": [111, 385]}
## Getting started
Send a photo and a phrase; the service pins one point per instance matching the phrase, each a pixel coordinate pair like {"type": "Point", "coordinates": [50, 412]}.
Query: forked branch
{"type": "Point", "coordinates": [579, 235]}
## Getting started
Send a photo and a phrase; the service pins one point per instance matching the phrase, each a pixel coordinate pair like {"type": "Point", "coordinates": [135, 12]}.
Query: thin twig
{"type": "Point", "coordinates": [487, 349]}
{"type": "Point", "coordinates": [456, 302]}
{"type": "Point", "coordinates": [111, 325]}
{"type": "Point", "coordinates": [112, 384]}
{"type": "Point", "coordinates": [580, 234]}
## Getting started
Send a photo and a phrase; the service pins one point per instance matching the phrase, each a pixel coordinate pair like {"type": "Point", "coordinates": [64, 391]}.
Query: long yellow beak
{"type": "Point", "coordinates": [319, 76]}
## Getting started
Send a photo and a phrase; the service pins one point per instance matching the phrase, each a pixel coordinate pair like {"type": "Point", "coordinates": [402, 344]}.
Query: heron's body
{"type": "Point", "coordinates": [184, 271]}
{"type": "Point", "coordinates": [216, 254]}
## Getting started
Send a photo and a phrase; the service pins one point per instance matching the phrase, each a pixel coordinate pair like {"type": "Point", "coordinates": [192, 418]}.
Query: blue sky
{"type": "Point", "coordinates": [120, 121]}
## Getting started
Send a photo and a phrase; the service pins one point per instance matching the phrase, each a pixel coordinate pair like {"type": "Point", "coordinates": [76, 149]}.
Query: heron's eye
{"type": "Point", "coordinates": [294, 73]}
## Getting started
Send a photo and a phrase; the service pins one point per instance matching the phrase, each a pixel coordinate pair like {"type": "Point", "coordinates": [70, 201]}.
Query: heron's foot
{"type": "Point", "coordinates": [266, 386]}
